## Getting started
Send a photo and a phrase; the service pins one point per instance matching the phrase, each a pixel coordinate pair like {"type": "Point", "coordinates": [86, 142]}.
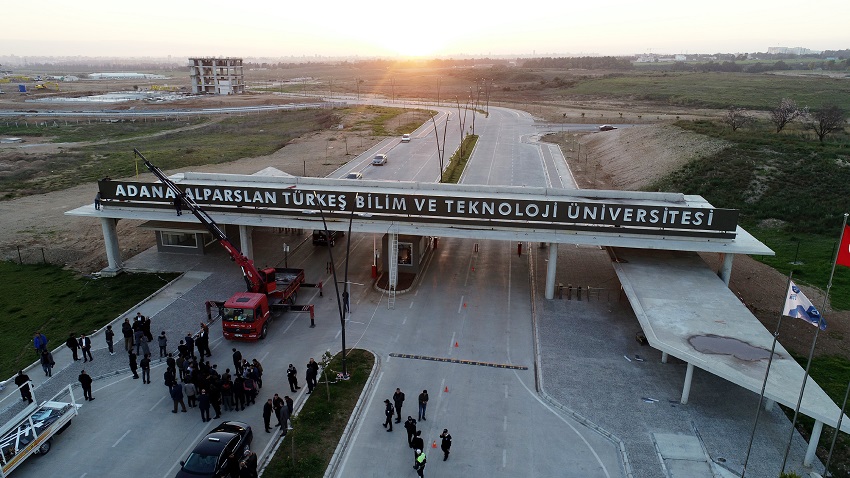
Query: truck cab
{"type": "Point", "coordinates": [245, 316]}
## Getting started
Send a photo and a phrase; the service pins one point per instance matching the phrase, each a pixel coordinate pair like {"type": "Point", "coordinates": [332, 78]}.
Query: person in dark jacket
{"type": "Point", "coordinates": [388, 412]}
{"type": "Point", "coordinates": [204, 405]}
{"type": "Point", "coordinates": [22, 381]}
{"type": "Point", "coordinates": [127, 332]}
{"type": "Point", "coordinates": [85, 347]}
{"type": "Point", "coordinates": [292, 377]}
{"type": "Point", "coordinates": [176, 391]}
{"type": "Point", "coordinates": [268, 408]}
{"type": "Point", "coordinates": [410, 426]}
{"type": "Point", "coordinates": [73, 345]}
{"type": "Point", "coordinates": [398, 400]}
{"type": "Point", "coordinates": [446, 443]}
{"type": "Point", "coordinates": [418, 442]}
{"type": "Point", "coordinates": [47, 363]}
{"type": "Point", "coordinates": [312, 374]}
{"type": "Point", "coordinates": [85, 382]}
{"type": "Point", "coordinates": [133, 365]}
{"type": "Point", "coordinates": [146, 369]}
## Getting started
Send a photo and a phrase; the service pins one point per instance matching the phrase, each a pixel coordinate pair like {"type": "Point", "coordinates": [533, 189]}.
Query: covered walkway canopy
{"type": "Point", "coordinates": [686, 311]}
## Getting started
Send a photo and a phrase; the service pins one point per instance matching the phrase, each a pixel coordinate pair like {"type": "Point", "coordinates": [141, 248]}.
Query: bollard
{"type": "Point", "coordinates": [519, 249]}
{"type": "Point", "coordinates": [312, 318]}
{"type": "Point", "coordinates": [569, 292]}
{"type": "Point", "coordinates": [560, 290]}
{"type": "Point", "coordinates": [578, 293]}
{"type": "Point", "coordinates": [436, 242]}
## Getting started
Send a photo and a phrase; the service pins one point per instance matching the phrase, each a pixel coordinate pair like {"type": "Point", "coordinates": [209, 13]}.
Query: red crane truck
{"type": "Point", "coordinates": [246, 315]}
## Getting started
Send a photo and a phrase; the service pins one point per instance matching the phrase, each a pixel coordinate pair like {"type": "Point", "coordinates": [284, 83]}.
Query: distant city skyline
{"type": "Point", "coordinates": [440, 28]}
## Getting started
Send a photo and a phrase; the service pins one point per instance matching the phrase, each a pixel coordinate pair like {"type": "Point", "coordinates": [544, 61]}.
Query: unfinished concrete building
{"type": "Point", "coordinates": [217, 76]}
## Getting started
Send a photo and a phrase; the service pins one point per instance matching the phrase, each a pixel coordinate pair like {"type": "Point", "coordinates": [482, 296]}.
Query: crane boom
{"type": "Point", "coordinates": [253, 279]}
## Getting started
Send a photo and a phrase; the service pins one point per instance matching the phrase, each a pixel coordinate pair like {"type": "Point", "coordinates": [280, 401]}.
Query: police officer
{"type": "Point", "coordinates": [419, 463]}
{"type": "Point", "coordinates": [388, 412]}
{"type": "Point", "coordinates": [446, 443]}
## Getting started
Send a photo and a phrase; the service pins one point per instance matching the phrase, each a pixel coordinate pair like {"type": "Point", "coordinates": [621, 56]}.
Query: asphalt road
{"type": "Point", "coordinates": [475, 295]}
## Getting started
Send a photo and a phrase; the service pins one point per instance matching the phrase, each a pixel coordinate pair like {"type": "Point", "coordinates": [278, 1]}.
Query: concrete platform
{"type": "Point", "coordinates": [686, 311]}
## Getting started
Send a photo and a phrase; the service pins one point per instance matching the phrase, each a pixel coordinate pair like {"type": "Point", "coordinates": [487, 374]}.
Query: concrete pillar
{"type": "Point", "coordinates": [110, 240]}
{"type": "Point", "coordinates": [686, 390]}
{"type": "Point", "coordinates": [663, 357]}
{"type": "Point", "coordinates": [246, 241]}
{"type": "Point", "coordinates": [725, 272]}
{"type": "Point", "coordinates": [550, 270]}
{"type": "Point", "coordinates": [768, 404]}
{"type": "Point", "coordinates": [813, 443]}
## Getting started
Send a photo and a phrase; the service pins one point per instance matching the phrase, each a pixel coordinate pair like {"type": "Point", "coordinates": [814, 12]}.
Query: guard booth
{"type": "Point", "coordinates": [412, 251]}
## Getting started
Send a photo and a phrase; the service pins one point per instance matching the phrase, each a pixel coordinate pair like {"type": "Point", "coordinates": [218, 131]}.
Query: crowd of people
{"type": "Point", "coordinates": [192, 381]}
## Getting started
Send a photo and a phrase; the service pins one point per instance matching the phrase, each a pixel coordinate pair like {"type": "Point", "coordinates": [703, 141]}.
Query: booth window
{"type": "Point", "coordinates": [405, 253]}
{"type": "Point", "coordinates": [178, 239]}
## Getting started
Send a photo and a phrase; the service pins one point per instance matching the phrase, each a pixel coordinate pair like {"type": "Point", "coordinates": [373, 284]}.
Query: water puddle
{"type": "Point", "coordinates": [715, 344]}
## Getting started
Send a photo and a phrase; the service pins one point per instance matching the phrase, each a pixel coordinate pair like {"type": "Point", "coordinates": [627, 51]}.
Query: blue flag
{"type": "Point", "coordinates": [799, 306]}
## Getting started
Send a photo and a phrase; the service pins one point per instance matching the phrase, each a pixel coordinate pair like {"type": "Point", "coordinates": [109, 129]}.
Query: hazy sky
{"type": "Point", "coordinates": [184, 28]}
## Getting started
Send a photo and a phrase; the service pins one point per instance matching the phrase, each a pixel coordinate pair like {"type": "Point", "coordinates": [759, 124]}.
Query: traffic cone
{"type": "Point", "coordinates": [434, 445]}
{"type": "Point", "coordinates": [455, 344]}
{"type": "Point", "coordinates": [447, 389]}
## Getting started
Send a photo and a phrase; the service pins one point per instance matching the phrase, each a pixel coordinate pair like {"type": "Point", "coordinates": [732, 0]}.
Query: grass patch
{"type": "Point", "coordinates": [72, 131]}
{"type": "Point", "coordinates": [217, 142]}
{"type": "Point", "coordinates": [306, 451]}
{"type": "Point", "coordinates": [715, 90]}
{"type": "Point", "coordinates": [833, 375]}
{"type": "Point", "coordinates": [457, 162]}
{"type": "Point", "coordinates": [788, 188]}
{"type": "Point", "coordinates": [59, 302]}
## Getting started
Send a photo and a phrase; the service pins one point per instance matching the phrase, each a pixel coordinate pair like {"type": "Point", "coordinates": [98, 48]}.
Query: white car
{"type": "Point", "coordinates": [354, 175]}
{"type": "Point", "coordinates": [405, 138]}
{"type": "Point", "coordinates": [607, 127]}
{"type": "Point", "coordinates": [379, 159]}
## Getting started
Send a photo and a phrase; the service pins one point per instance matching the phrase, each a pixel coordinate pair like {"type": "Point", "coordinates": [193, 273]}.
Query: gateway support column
{"type": "Point", "coordinates": [246, 241]}
{"type": "Point", "coordinates": [110, 240]}
{"type": "Point", "coordinates": [550, 270]}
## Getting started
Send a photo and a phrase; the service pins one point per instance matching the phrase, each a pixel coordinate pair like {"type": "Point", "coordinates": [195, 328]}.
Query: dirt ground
{"type": "Point", "coordinates": [626, 158]}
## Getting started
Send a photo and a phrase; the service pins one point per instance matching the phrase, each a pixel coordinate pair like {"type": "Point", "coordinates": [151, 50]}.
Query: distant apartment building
{"type": "Point", "coordinates": [217, 76]}
{"type": "Point", "coordinates": [797, 50]}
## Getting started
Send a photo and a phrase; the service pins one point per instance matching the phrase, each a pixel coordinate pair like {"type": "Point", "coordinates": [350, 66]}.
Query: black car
{"type": "Point", "coordinates": [210, 456]}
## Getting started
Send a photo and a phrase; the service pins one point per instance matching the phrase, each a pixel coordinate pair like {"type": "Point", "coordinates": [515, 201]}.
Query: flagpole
{"type": "Point", "coordinates": [766, 373]}
{"type": "Point", "coordinates": [812, 349]}
{"type": "Point", "coordinates": [826, 472]}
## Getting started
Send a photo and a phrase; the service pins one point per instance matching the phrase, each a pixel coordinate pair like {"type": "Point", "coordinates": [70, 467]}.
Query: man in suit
{"type": "Point", "coordinates": [85, 346]}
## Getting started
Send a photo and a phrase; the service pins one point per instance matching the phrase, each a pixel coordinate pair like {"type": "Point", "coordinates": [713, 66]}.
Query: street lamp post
{"type": "Point", "coordinates": [336, 287]}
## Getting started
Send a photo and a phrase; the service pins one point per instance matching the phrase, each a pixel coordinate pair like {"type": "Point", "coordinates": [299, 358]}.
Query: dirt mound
{"type": "Point", "coordinates": [635, 157]}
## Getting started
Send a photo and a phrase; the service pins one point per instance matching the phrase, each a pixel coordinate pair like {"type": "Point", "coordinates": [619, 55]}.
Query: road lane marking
{"type": "Point", "coordinates": [122, 437]}
{"type": "Point", "coordinates": [155, 405]}
{"type": "Point", "coordinates": [460, 305]}
{"type": "Point", "coordinates": [459, 361]}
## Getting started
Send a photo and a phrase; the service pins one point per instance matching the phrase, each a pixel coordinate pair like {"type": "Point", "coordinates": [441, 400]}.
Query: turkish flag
{"type": "Point", "coordinates": [843, 258]}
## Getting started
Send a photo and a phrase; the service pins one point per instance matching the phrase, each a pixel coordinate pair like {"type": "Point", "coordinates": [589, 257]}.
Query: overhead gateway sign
{"type": "Point", "coordinates": [613, 216]}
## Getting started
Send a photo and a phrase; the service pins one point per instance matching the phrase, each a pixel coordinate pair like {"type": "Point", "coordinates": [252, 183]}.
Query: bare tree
{"type": "Point", "coordinates": [786, 112]}
{"type": "Point", "coordinates": [736, 117]}
{"type": "Point", "coordinates": [827, 120]}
